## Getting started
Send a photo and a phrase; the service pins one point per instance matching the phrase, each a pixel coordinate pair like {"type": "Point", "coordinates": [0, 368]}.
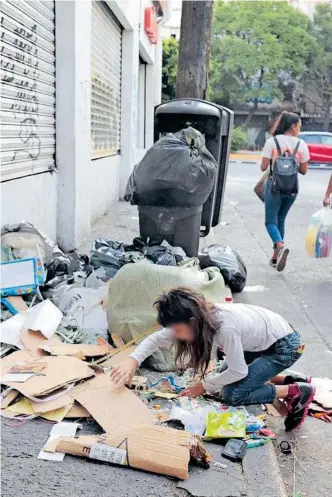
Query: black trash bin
{"type": "Point", "coordinates": [179, 225]}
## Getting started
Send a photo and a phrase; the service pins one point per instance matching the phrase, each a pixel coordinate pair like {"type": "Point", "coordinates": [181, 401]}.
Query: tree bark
{"type": "Point", "coordinates": [327, 114]}
{"type": "Point", "coordinates": [251, 114]}
{"type": "Point", "coordinates": [194, 50]}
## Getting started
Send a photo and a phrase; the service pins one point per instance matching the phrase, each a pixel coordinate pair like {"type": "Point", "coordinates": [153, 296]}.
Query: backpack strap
{"type": "Point", "coordinates": [277, 145]}
{"type": "Point", "coordinates": [296, 149]}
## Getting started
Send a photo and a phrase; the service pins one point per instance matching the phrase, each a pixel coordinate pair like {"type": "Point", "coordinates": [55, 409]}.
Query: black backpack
{"type": "Point", "coordinates": [284, 179]}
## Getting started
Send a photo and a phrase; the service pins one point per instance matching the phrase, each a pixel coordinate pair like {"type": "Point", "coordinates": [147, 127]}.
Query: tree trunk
{"type": "Point", "coordinates": [251, 114]}
{"type": "Point", "coordinates": [195, 47]}
{"type": "Point", "coordinates": [327, 114]}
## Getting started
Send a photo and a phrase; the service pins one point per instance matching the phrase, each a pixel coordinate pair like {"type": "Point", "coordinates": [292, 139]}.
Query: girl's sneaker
{"type": "Point", "coordinates": [296, 378]}
{"type": "Point", "coordinates": [300, 397]}
{"type": "Point", "coordinates": [282, 258]}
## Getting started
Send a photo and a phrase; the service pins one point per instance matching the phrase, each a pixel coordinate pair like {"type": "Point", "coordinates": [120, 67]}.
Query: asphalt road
{"type": "Point", "coordinates": [303, 294]}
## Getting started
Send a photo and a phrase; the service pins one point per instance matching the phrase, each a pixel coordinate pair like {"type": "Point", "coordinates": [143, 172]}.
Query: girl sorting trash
{"type": "Point", "coordinates": [258, 345]}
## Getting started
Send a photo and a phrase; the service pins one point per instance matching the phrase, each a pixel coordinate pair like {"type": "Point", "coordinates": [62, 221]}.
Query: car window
{"type": "Point", "coordinates": [327, 139]}
{"type": "Point", "coordinates": [311, 138]}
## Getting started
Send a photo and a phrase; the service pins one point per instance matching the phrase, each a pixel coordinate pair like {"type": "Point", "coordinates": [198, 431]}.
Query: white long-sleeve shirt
{"type": "Point", "coordinates": [240, 328]}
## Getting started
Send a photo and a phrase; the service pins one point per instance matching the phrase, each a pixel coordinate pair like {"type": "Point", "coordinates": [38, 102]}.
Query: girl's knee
{"type": "Point", "coordinates": [232, 396]}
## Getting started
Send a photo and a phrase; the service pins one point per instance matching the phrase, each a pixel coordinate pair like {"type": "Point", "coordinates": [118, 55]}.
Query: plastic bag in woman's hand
{"type": "Point", "coordinates": [230, 264]}
{"type": "Point", "coordinates": [318, 241]}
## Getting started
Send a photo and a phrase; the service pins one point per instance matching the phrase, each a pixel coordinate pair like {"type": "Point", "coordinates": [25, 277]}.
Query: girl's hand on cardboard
{"type": "Point", "coordinates": [123, 374]}
{"type": "Point", "coordinates": [194, 391]}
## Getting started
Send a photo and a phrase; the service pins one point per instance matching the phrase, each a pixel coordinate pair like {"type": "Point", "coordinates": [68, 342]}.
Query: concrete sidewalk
{"type": "Point", "coordinates": [246, 157]}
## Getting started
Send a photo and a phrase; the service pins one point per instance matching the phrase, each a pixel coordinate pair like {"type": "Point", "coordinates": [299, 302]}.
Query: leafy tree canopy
{"type": "Point", "coordinates": [256, 45]}
{"type": "Point", "coordinates": [170, 66]}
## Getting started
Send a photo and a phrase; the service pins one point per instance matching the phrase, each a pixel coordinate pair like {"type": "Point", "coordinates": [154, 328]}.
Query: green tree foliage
{"type": "Point", "coordinates": [320, 67]}
{"type": "Point", "coordinates": [170, 66]}
{"type": "Point", "coordinates": [256, 46]}
{"type": "Point", "coordinates": [239, 139]}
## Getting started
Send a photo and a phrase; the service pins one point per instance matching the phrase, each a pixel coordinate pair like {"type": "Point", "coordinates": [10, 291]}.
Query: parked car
{"type": "Point", "coordinates": [320, 148]}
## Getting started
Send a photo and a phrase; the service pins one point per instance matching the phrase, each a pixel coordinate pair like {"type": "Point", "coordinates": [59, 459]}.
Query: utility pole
{"type": "Point", "coordinates": [195, 47]}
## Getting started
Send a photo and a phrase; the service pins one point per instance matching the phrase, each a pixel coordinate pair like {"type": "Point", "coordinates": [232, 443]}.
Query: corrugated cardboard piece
{"type": "Point", "coordinates": [79, 349]}
{"type": "Point", "coordinates": [112, 406]}
{"type": "Point", "coordinates": [77, 411]}
{"type": "Point", "coordinates": [33, 340]}
{"type": "Point", "coordinates": [152, 448]}
{"type": "Point", "coordinates": [118, 357]}
{"type": "Point", "coordinates": [59, 371]}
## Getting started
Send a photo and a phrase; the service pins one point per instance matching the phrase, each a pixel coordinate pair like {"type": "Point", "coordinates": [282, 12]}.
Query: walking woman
{"type": "Point", "coordinates": [258, 345]}
{"type": "Point", "coordinates": [285, 143]}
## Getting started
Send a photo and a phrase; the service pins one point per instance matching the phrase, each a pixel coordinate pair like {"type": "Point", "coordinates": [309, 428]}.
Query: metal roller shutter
{"type": "Point", "coordinates": [27, 88]}
{"type": "Point", "coordinates": [105, 82]}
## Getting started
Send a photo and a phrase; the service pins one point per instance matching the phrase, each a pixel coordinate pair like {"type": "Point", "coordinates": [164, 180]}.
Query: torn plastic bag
{"type": "Point", "coordinates": [68, 264]}
{"type": "Point", "coordinates": [111, 255]}
{"type": "Point", "coordinates": [163, 254]}
{"type": "Point", "coordinates": [230, 264]}
{"type": "Point", "coordinates": [22, 240]}
{"type": "Point", "coordinates": [177, 170]}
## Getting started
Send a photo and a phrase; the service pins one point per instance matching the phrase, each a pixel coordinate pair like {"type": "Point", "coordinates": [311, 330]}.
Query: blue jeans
{"type": "Point", "coordinates": [276, 210]}
{"type": "Point", "coordinates": [262, 366]}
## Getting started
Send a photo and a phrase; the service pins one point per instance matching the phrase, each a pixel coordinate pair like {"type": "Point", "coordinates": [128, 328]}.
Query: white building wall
{"type": "Point", "coordinates": [65, 204]}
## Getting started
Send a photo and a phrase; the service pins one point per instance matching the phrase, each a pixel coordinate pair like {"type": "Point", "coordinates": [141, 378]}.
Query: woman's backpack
{"type": "Point", "coordinates": [284, 179]}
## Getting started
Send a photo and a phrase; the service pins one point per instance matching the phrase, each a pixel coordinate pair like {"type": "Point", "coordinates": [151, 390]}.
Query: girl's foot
{"type": "Point", "coordinates": [282, 258]}
{"type": "Point", "coordinates": [299, 399]}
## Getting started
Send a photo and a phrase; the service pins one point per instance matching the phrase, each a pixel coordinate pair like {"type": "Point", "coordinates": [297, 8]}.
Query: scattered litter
{"type": "Point", "coordinates": [226, 425]}
{"type": "Point", "coordinates": [18, 378]}
{"type": "Point", "coordinates": [234, 450]}
{"type": "Point", "coordinates": [60, 371]}
{"type": "Point", "coordinates": [256, 443]}
{"type": "Point", "coordinates": [218, 464]}
{"type": "Point", "coordinates": [255, 288]}
{"type": "Point", "coordinates": [62, 429]}
{"type": "Point", "coordinates": [79, 350]}
{"type": "Point", "coordinates": [11, 329]}
{"type": "Point", "coordinates": [285, 447]}
{"type": "Point", "coordinates": [44, 317]}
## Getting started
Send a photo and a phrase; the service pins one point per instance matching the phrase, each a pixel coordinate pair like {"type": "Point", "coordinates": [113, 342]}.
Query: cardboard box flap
{"type": "Point", "coordinates": [51, 405]}
{"type": "Point", "coordinates": [59, 371]}
{"type": "Point", "coordinates": [72, 349]}
{"type": "Point", "coordinates": [156, 449]}
{"type": "Point", "coordinates": [33, 340]}
{"type": "Point", "coordinates": [78, 411]}
{"type": "Point", "coordinates": [111, 406]}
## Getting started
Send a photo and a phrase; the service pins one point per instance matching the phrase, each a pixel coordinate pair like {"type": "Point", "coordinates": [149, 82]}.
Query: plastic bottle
{"type": "Point", "coordinates": [256, 443]}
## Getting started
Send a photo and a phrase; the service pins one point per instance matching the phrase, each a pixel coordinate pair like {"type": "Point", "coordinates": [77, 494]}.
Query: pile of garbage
{"type": "Point", "coordinates": [67, 319]}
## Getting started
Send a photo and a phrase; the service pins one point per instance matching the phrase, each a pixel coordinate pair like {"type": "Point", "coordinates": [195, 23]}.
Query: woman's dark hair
{"type": "Point", "coordinates": [185, 305]}
{"type": "Point", "coordinates": [284, 122]}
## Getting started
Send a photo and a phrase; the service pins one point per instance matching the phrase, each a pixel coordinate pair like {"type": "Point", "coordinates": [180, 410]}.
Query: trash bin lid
{"type": "Point", "coordinates": [188, 106]}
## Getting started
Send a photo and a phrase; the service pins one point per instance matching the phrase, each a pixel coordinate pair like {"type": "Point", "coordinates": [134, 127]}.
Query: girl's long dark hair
{"type": "Point", "coordinates": [185, 305]}
{"type": "Point", "coordinates": [284, 122]}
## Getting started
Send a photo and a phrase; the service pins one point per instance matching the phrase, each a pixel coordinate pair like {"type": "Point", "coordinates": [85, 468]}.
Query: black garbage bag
{"type": "Point", "coordinates": [111, 255]}
{"type": "Point", "coordinates": [67, 264]}
{"type": "Point", "coordinates": [177, 170]}
{"type": "Point", "coordinates": [230, 264]}
{"type": "Point", "coordinates": [156, 253]}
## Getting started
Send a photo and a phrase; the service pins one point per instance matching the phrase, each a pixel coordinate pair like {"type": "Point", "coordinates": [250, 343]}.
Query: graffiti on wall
{"type": "Point", "coordinates": [19, 81]}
